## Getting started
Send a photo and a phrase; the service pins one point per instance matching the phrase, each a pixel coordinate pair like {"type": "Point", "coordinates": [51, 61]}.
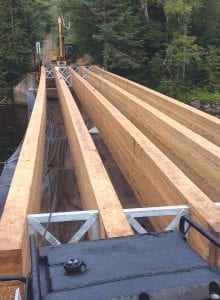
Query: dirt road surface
{"type": "Point", "coordinates": [48, 46]}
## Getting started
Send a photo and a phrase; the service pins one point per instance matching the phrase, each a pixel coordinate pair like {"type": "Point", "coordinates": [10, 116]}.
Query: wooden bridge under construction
{"type": "Point", "coordinates": [168, 152]}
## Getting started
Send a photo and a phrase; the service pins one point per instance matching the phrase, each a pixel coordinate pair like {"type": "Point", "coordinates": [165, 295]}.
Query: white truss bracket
{"type": "Point", "coordinates": [64, 72]}
{"type": "Point", "coordinates": [82, 231]}
{"type": "Point", "coordinates": [135, 224]}
{"type": "Point", "coordinates": [35, 224]}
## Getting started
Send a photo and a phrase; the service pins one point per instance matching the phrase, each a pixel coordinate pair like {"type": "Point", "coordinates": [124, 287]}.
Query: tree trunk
{"type": "Point", "coordinates": [145, 8]}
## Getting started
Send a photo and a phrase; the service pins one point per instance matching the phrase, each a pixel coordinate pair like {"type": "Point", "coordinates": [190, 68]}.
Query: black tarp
{"type": "Point", "coordinates": [59, 187]}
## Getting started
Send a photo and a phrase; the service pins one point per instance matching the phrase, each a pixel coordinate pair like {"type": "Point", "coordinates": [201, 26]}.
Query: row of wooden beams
{"type": "Point", "coordinates": [95, 187]}
{"type": "Point", "coordinates": [198, 121]}
{"type": "Point", "coordinates": [197, 157]}
{"type": "Point", "coordinates": [153, 177]}
{"type": "Point", "coordinates": [25, 191]}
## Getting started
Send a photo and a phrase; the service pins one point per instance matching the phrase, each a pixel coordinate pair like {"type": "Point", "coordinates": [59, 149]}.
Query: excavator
{"type": "Point", "coordinates": [66, 52]}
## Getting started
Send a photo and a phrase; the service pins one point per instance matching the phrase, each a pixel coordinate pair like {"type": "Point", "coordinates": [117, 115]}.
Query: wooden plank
{"type": "Point", "coordinates": [198, 121]}
{"type": "Point", "coordinates": [197, 157]}
{"type": "Point", "coordinates": [95, 187]}
{"type": "Point", "coordinates": [153, 177]}
{"type": "Point", "coordinates": [25, 191]}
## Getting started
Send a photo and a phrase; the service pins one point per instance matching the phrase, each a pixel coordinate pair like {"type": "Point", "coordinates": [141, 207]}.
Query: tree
{"type": "Point", "coordinates": [112, 32]}
{"type": "Point", "coordinates": [21, 25]}
{"type": "Point", "coordinates": [122, 35]}
{"type": "Point", "coordinates": [182, 51]}
{"type": "Point", "coordinates": [206, 23]}
{"type": "Point", "coordinates": [181, 48]}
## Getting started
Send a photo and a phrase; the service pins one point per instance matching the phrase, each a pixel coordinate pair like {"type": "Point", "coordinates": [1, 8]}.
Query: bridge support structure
{"type": "Point", "coordinates": [145, 136]}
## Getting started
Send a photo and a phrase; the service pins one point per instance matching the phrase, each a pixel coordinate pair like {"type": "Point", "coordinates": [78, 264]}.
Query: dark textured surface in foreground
{"type": "Point", "coordinates": [160, 265]}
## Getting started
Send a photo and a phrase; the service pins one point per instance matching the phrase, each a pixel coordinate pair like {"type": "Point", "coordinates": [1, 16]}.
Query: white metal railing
{"type": "Point", "coordinates": [91, 219]}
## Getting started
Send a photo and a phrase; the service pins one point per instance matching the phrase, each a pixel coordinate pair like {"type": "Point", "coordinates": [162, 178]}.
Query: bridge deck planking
{"type": "Point", "coordinates": [198, 121]}
{"type": "Point", "coordinates": [153, 177]}
{"type": "Point", "coordinates": [25, 191]}
{"type": "Point", "coordinates": [95, 187]}
{"type": "Point", "coordinates": [197, 157]}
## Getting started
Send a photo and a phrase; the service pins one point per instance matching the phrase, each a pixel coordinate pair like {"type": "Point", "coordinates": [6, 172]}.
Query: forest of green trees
{"type": "Point", "coordinates": [22, 23]}
{"type": "Point", "coordinates": [170, 45]}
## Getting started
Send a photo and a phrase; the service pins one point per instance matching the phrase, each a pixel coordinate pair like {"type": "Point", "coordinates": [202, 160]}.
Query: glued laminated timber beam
{"type": "Point", "coordinates": [154, 178]}
{"type": "Point", "coordinates": [198, 121]}
{"type": "Point", "coordinates": [197, 157]}
{"type": "Point", "coordinates": [25, 191]}
{"type": "Point", "coordinates": [95, 187]}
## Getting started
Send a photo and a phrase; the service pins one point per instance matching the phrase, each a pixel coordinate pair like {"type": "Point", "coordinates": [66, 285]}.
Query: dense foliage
{"type": "Point", "coordinates": [22, 23]}
{"type": "Point", "coordinates": [170, 45]}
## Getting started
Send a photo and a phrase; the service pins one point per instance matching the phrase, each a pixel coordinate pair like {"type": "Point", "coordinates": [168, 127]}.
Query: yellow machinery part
{"type": "Point", "coordinates": [61, 40]}
{"type": "Point", "coordinates": [54, 56]}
